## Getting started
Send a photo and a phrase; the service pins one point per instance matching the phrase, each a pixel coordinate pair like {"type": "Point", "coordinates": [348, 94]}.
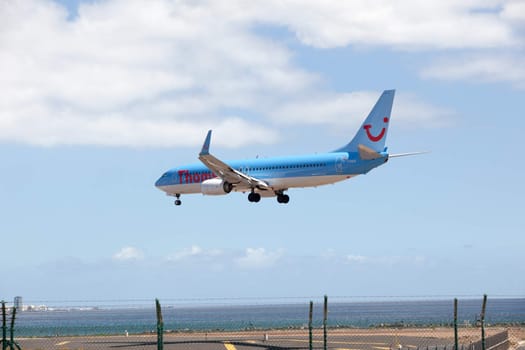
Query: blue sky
{"type": "Point", "coordinates": [101, 97]}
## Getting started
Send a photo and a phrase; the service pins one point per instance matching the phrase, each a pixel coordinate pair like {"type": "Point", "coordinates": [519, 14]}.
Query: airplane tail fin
{"type": "Point", "coordinates": [371, 136]}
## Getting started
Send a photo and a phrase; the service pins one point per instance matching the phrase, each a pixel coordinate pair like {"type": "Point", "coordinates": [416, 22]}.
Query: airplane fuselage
{"type": "Point", "coordinates": [277, 172]}
{"type": "Point", "coordinates": [271, 177]}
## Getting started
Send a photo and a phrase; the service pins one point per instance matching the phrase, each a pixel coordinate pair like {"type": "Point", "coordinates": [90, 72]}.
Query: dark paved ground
{"type": "Point", "coordinates": [371, 339]}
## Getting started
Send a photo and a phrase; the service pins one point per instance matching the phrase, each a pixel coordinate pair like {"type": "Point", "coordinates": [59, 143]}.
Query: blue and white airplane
{"type": "Point", "coordinates": [272, 177]}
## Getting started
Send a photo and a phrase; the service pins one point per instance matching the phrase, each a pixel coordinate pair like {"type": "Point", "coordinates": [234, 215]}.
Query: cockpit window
{"type": "Point", "coordinates": [165, 174]}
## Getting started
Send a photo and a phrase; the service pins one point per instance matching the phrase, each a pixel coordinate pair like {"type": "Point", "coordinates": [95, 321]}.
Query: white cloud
{"type": "Point", "coordinates": [411, 111]}
{"type": "Point", "coordinates": [480, 67]}
{"type": "Point", "coordinates": [186, 253]}
{"type": "Point", "coordinates": [160, 73]}
{"type": "Point", "coordinates": [258, 258]}
{"type": "Point", "coordinates": [384, 260]}
{"type": "Point", "coordinates": [135, 73]}
{"type": "Point", "coordinates": [356, 258]}
{"type": "Point", "coordinates": [49, 129]}
{"type": "Point", "coordinates": [514, 10]}
{"type": "Point", "coordinates": [327, 109]}
{"type": "Point", "coordinates": [195, 252]}
{"type": "Point", "coordinates": [128, 254]}
{"type": "Point", "coordinates": [217, 259]}
{"type": "Point", "coordinates": [405, 24]}
{"type": "Point", "coordinates": [352, 108]}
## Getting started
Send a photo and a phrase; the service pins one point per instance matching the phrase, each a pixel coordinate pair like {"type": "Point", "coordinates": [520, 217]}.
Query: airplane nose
{"type": "Point", "coordinates": [163, 181]}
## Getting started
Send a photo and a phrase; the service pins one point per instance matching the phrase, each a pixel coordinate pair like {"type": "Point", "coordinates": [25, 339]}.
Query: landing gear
{"type": "Point", "coordinates": [254, 197]}
{"type": "Point", "coordinates": [283, 198]}
{"type": "Point", "coordinates": [178, 201]}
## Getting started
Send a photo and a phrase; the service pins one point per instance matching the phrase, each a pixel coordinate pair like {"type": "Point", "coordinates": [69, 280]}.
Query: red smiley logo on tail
{"type": "Point", "coordinates": [373, 138]}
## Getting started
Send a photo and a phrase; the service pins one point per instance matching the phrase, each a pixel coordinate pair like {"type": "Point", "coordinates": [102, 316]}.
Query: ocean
{"type": "Point", "coordinates": [95, 321]}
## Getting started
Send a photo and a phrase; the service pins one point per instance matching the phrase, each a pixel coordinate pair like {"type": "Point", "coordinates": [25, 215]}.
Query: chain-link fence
{"type": "Point", "coordinates": [270, 324]}
{"type": "Point", "coordinates": [377, 339]}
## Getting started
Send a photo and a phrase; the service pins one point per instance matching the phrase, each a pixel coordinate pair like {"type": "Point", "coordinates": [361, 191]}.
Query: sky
{"type": "Point", "coordinates": [99, 98]}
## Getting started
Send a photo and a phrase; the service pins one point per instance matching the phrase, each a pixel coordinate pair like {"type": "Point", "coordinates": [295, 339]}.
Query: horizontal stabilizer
{"type": "Point", "coordinates": [407, 154]}
{"type": "Point", "coordinates": [366, 153]}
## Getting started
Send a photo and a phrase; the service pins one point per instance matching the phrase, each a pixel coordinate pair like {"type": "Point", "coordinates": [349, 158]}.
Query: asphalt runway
{"type": "Point", "coordinates": [252, 340]}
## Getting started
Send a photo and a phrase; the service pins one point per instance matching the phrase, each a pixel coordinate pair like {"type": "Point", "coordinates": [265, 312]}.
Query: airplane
{"type": "Point", "coordinates": [272, 177]}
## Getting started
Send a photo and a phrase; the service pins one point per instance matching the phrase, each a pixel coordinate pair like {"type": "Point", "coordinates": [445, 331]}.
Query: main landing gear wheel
{"type": "Point", "coordinates": [254, 197]}
{"type": "Point", "coordinates": [178, 201]}
{"type": "Point", "coordinates": [283, 198]}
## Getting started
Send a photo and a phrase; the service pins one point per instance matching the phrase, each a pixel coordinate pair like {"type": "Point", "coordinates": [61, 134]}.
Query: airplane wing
{"type": "Point", "coordinates": [226, 172]}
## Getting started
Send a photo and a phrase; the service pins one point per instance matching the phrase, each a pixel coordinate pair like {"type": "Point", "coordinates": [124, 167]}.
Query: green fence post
{"type": "Point", "coordinates": [325, 317]}
{"type": "Point", "coordinates": [4, 327]}
{"type": "Point", "coordinates": [12, 342]}
{"type": "Point", "coordinates": [12, 330]}
{"type": "Point", "coordinates": [310, 320]}
{"type": "Point", "coordinates": [160, 326]}
{"type": "Point", "coordinates": [456, 324]}
{"type": "Point", "coordinates": [482, 317]}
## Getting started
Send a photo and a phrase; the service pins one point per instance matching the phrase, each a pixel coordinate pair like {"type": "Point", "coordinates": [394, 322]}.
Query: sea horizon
{"type": "Point", "coordinates": [357, 314]}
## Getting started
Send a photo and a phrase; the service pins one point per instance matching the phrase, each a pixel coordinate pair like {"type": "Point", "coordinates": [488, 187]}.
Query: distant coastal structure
{"type": "Point", "coordinates": [18, 303]}
{"type": "Point", "coordinates": [36, 308]}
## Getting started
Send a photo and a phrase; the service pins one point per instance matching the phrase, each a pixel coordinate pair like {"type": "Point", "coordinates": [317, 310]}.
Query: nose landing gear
{"type": "Point", "coordinates": [177, 201]}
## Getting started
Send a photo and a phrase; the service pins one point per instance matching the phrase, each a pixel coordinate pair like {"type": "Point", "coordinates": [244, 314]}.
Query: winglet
{"type": "Point", "coordinates": [206, 146]}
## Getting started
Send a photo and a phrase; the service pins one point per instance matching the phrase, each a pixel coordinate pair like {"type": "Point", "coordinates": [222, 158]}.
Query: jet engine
{"type": "Point", "coordinates": [215, 187]}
